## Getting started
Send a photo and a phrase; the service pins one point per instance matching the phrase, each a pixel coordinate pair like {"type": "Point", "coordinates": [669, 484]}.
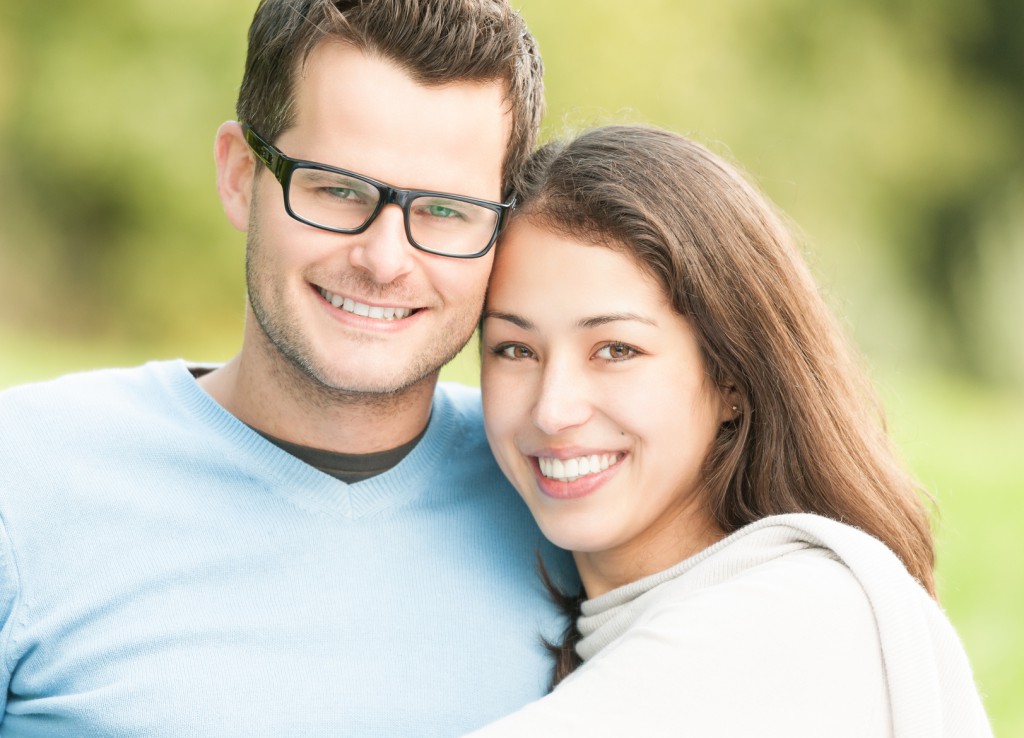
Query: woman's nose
{"type": "Point", "coordinates": [562, 401]}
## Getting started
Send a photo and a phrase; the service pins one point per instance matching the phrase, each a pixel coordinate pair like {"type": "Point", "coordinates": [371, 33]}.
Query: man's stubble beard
{"type": "Point", "coordinates": [295, 358]}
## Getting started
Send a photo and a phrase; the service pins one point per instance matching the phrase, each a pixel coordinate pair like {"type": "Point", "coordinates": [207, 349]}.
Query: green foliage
{"type": "Point", "coordinates": [107, 176]}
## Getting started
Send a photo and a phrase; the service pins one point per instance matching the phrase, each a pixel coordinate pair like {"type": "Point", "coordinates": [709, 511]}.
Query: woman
{"type": "Point", "coordinates": [667, 391]}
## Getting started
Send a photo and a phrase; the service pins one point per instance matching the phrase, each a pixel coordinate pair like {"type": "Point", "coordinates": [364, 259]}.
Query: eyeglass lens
{"type": "Point", "coordinates": [435, 223]}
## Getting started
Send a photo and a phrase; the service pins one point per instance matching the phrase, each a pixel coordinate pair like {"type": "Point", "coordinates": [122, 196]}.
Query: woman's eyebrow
{"type": "Point", "coordinates": [512, 318]}
{"type": "Point", "coordinates": [599, 320]}
{"type": "Point", "coordinates": [593, 321]}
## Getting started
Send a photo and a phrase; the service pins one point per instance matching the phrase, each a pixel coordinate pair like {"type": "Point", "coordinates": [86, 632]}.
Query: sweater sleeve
{"type": "Point", "coordinates": [8, 597]}
{"type": "Point", "coordinates": [788, 649]}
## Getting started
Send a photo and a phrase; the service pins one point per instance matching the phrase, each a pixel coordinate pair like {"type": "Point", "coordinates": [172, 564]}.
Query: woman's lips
{"type": "Point", "coordinates": [566, 478]}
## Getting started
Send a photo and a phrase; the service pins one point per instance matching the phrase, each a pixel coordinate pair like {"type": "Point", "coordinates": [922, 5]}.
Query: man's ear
{"type": "Point", "coordinates": [236, 168]}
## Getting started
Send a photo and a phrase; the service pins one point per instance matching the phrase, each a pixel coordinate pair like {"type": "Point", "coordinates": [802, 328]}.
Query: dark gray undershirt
{"type": "Point", "coordinates": [348, 468]}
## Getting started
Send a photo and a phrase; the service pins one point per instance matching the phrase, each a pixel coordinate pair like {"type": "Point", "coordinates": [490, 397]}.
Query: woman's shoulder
{"type": "Point", "coordinates": [801, 597]}
{"type": "Point", "coordinates": [768, 578]}
{"type": "Point", "coordinates": [780, 560]}
{"type": "Point", "coordinates": [777, 624]}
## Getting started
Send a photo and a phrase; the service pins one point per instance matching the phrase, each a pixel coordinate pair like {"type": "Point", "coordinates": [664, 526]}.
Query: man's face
{"type": "Point", "coordinates": [403, 313]}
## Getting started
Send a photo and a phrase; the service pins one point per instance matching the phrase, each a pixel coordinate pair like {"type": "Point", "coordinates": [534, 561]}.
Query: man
{"type": "Point", "coordinates": [311, 539]}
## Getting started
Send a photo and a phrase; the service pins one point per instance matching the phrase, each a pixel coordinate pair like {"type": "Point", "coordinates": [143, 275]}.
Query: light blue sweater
{"type": "Point", "coordinates": [165, 571]}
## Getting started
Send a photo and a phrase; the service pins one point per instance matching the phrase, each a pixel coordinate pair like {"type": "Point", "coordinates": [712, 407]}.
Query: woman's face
{"type": "Point", "coordinates": [597, 405]}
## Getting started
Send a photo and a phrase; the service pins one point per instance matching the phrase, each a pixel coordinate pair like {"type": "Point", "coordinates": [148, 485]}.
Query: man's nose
{"type": "Point", "coordinates": [383, 250]}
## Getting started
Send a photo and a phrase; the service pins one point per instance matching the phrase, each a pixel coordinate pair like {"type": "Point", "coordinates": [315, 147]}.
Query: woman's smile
{"type": "Point", "coordinates": [574, 476]}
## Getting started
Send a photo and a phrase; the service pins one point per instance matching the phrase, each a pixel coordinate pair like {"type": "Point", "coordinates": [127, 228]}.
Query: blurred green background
{"type": "Point", "coordinates": [891, 132]}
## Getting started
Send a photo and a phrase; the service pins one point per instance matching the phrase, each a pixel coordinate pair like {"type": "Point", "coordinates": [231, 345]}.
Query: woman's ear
{"type": "Point", "coordinates": [236, 168]}
{"type": "Point", "coordinates": [732, 404]}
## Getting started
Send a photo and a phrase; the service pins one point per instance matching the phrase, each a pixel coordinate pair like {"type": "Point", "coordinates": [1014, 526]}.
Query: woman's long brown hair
{"type": "Point", "coordinates": [810, 434]}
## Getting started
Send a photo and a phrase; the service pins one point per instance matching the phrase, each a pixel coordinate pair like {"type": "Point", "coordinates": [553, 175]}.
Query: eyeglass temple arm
{"type": "Point", "coordinates": [264, 151]}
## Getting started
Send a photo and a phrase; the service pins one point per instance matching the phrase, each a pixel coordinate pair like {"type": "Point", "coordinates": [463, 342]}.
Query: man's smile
{"type": "Point", "coordinates": [378, 312]}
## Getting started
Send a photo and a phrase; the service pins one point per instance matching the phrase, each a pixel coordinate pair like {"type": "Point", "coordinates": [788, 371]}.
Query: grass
{"type": "Point", "coordinates": [965, 442]}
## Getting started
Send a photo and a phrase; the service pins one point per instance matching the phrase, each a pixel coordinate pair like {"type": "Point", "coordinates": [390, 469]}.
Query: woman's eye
{"type": "Point", "coordinates": [616, 352]}
{"type": "Point", "coordinates": [514, 351]}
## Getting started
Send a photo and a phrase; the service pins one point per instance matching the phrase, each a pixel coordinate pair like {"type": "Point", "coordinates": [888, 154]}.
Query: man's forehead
{"type": "Point", "coordinates": [363, 112]}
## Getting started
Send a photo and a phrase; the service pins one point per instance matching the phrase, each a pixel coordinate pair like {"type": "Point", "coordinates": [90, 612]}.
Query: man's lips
{"type": "Point", "coordinates": [376, 312]}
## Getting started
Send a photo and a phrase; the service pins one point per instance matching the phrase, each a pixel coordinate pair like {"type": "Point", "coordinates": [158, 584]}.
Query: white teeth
{"type": "Point", "coordinates": [569, 470]}
{"type": "Point", "coordinates": [351, 306]}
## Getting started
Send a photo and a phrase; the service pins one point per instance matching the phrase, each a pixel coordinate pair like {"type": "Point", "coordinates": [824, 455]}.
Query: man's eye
{"type": "Point", "coordinates": [616, 352]}
{"type": "Point", "coordinates": [342, 193]}
{"type": "Point", "coordinates": [442, 211]}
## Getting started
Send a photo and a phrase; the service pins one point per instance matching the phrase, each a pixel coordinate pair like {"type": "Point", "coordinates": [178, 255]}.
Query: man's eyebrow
{"type": "Point", "coordinates": [319, 175]}
{"type": "Point", "coordinates": [512, 318]}
{"type": "Point", "coordinates": [599, 320]}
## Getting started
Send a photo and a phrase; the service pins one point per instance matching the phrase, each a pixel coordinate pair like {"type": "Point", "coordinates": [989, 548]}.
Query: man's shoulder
{"type": "Point", "coordinates": [457, 442]}
{"type": "Point", "coordinates": [87, 396]}
{"type": "Point", "coordinates": [460, 399]}
{"type": "Point", "coordinates": [73, 382]}
{"type": "Point", "coordinates": [459, 407]}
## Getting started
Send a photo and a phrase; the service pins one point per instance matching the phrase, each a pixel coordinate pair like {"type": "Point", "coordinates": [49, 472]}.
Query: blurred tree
{"type": "Point", "coordinates": [950, 246]}
{"type": "Point", "coordinates": [890, 131]}
{"type": "Point", "coordinates": [113, 228]}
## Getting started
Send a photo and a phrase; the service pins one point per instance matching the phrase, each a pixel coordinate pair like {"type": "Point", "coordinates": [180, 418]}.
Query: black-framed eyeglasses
{"type": "Point", "coordinates": [342, 201]}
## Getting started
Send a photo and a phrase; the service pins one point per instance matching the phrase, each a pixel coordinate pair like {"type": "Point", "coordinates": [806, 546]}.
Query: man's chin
{"type": "Point", "coordinates": [382, 384]}
{"type": "Point", "coordinates": [360, 371]}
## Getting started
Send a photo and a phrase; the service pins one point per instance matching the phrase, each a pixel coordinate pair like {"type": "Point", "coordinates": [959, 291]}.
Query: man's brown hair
{"type": "Point", "coordinates": [436, 42]}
